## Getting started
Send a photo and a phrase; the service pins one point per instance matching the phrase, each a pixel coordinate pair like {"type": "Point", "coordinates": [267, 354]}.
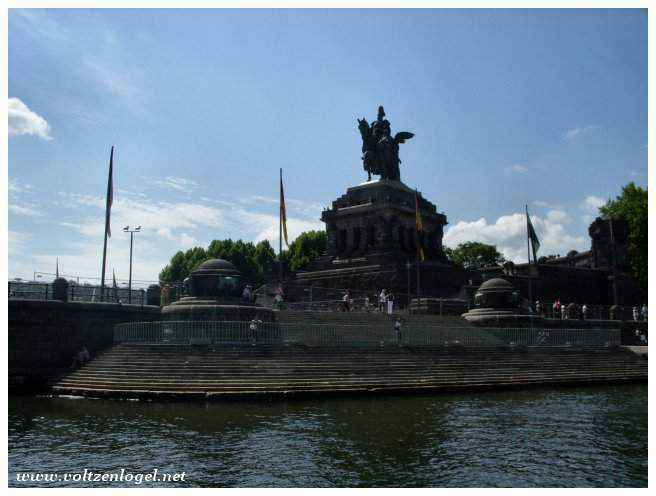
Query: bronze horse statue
{"type": "Point", "coordinates": [380, 152]}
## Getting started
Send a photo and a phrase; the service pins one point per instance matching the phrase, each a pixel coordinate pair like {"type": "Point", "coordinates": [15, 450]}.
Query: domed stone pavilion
{"type": "Point", "coordinates": [215, 293]}
{"type": "Point", "coordinates": [498, 304]}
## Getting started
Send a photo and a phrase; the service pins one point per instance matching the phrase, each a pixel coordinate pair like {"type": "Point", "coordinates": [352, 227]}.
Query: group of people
{"type": "Point", "coordinates": [385, 302]}
{"type": "Point", "coordinates": [562, 311]}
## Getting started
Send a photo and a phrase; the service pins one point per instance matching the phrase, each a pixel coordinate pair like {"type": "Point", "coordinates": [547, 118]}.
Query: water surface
{"type": "Point", "coordinates": [566, 437]}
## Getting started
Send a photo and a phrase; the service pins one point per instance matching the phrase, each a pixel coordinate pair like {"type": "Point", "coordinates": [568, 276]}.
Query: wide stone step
{"type": "Point", "coordinates": [310, 355]}
{"type": "Point", "coordinates": [156, 381]}
{"type": "Point", "coordinates": [351, 368]}
{"type": "Point", "coordinates": [199, 363]}
{"type": "Point", "coordinates": [287, 379]}
{"type": "Point", "coordinates": [195, 371]}
{"type": "Point", "coordinates": [361, 385]}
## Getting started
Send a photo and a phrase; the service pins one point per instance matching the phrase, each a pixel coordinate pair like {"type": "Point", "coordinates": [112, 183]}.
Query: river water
{"type": "Point", "coordinates": [558, 437]}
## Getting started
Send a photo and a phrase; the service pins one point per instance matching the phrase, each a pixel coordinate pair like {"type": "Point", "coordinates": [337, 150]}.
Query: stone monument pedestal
{"type": "Point", "coordinates": [372, 244]}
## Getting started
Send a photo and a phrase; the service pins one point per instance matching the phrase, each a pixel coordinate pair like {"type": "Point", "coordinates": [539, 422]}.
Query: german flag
{"type": "Point", "coordinates": [419, 230]}
{"type": "Point", "coordinates": [283, 212]}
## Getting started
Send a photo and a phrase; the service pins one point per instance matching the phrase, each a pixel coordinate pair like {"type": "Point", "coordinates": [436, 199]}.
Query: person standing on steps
{"type": "Point", "coordinates": [397, 332]}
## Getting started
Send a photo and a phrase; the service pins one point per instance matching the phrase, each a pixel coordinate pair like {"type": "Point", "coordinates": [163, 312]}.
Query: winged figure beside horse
{"type": "Point", "coordinates": [380, 152]}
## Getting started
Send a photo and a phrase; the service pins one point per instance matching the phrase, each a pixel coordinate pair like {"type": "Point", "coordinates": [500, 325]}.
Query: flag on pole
{"type": "Point", "coordinates": [419, 228]}
{"type": "Point", "coordinates": [283, 212]}
{"type": "Point", "coordinates": [532, 236]}
{"type": "Point", "coordinates": [110, 195]}
{"type": "Point", "coordinates": [57, 268]}
{"type": "Point", "coordinates": [114, 285]}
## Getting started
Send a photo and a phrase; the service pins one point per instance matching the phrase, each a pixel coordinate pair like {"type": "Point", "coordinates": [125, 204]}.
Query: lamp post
{"type": "Point", "coordinates": [131, 231]}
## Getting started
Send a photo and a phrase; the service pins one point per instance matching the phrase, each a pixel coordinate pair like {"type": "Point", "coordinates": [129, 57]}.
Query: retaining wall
{"type": "Point", "coordinates": [43, 336]}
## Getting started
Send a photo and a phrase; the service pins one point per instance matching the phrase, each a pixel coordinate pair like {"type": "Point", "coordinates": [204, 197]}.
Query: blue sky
{"type": "Point", "coordinates": [509, 107]}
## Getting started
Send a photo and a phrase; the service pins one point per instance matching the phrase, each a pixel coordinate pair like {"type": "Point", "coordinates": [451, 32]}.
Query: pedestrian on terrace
{"type": "Point", "coordinates": [390, 303]}
{"type": "Point", "coordinates": [382, 300]}
{"type": "Point", "coordinates": [346, 302]}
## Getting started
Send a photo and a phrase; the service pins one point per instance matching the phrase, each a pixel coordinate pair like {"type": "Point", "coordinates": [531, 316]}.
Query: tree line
{"type": "Point", "coordinates": [254, 260]}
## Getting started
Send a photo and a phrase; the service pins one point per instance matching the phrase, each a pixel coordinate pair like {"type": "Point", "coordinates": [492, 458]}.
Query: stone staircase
{"type": "Point", "coordinates": [176, 372]}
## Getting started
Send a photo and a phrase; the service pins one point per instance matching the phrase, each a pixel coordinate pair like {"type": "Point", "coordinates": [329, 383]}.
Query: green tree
{"type": "Point", "coordinates": [253, 261]}
{"type": "Point", "coordinates": [176, 269]}
{"type": "Point", "coordinates": [264, 257]}
{"type": "Point", "coordinates": [193, 258]}
{"type": "Point", "coordinates": [474, 255]}
{"type": "Point", "coordinates": [631, 206]}
{"type": "Point", "coordinates": [305, 248]}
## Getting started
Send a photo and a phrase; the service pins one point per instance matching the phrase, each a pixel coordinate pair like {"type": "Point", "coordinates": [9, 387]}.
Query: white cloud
{"type": "Point", "coordinates": [23, 210]}
{"type": "Point", "coordinates": [592, 203]}
{"type": "Point", "coordinates": [558, 217]}
{"type": "Point", "coordinates": [578, 132]}
{"type": "Point", "coordinates": [22, 120]}
{"type": "Point", "coordinates": [187, 241]}
{"type": "Point", "coordinates": [168, 226]}
{"type": "Point", "coordinates": [517, 168]}
{"type": "Point", "coordinates": [165, 232]}
{"type": "Point", "coordinates": [17, 240]}
{"type": "Point", "coordinates": [508, 233]}
{"type": "Point", "coordinates": [15, 186]}
{"type": "Point", "coordinates": [159, 217]}
{"type": "Point", "coordinates": [177, 183]}
{"type": "Point", "coordinates": [164, 218]}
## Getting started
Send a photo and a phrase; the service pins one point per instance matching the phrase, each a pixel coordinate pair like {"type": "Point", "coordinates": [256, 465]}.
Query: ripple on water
{"type": "Point", "coordinates": [550, 438]}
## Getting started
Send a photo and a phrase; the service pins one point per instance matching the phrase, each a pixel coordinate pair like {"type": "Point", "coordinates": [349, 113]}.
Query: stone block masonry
{"type": "Point", "coordinates": [43, 336]}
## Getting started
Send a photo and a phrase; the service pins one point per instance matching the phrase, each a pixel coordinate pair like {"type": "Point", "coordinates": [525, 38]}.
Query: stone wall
{"type": "Point", "coordinates": [43, 336]}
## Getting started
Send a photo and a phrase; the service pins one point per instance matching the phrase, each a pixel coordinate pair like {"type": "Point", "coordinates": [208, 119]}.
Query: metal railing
{"type": "Point", "coordinates": [44, 291]}
{"type": "Point", "coordinates": [244, 333]}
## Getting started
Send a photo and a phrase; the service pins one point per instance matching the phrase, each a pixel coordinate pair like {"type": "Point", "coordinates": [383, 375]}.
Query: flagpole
{"type": "Point", "coordinates": [528, 235]}
{"type": "Point", "coordinates": [418, 241]}
{"type": "Point", "coordinates": [418, 301]}
{"type": "Point", "coordinates": [107, 206]}
{"type": "Point", "coordinates": [280, 232]}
